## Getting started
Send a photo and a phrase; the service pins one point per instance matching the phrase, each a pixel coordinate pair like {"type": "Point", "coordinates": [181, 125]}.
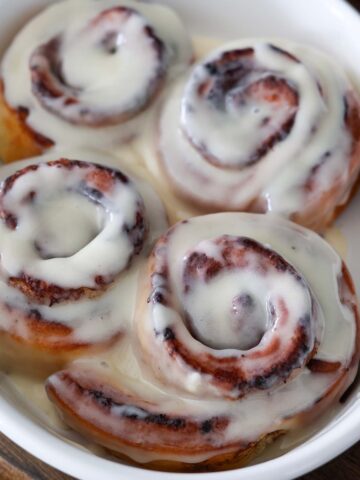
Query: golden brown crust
{"type": "Point", "coordinates": [32, 330]}
{"type": "Point", "coordinates": [132, 427]}
{"type": "Point", "coordinates": [321, 211]}
{"type": "Point", "coordinates": [195, 441]}
{"type": "Point", "coordinates": [27, 326]}
{"type": "Point", "coordinates": [42, 292]}
{"type": "Point", "coordinates": [17, 140]}
{"type": "Point", "coordinates": [222, 462]}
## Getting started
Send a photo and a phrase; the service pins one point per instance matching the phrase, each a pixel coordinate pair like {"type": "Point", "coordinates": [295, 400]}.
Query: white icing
{"type": "Point", "coordinates": [65, 224]}
{"type": "Point", "coordinates": [110, 80]}
{"type": "Point", "coordinates": [281, 236]}
{"type": "Point", "coordinates": [218, 320]}
{"type": "Point", "coordinates": [92, 320]}
{"type": "Point", "coordinates": [86, 65]}
{"type": "Point", "coordinates": [260, 412]}
{"type": "Point", "coordinates": [142, 157]}
{"type": "Point", "coordinates": [276, 181]}
{"type": "Point", "coordinates": [122, 362]}
{"type": "Point", "coordinates": [256, 414]}
{"type": "Point", "coordinates": [111, 249]}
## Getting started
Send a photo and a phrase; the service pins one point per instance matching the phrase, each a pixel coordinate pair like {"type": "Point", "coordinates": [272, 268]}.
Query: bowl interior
{"type": "Point", "coordinates": [334, 27]}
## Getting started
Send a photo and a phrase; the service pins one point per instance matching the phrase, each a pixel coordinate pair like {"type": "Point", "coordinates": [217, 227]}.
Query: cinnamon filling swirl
{"type": "Point", "coordinates": [260, 126]}
{"type": "Point", "coordinates": [120, 35]}
{"type": "Point", "coordinates": [268, 335]}
{"type": "Point", "coordinates": [137, 420]}
{"type": "Point", "coordinates": [238, 341]}
{"type": "Point", "coordinates": [87, 73]}
{"type": "Point", "coordinates": [70, 230]}
{"type": "Point", "coordinates": [236, 85]}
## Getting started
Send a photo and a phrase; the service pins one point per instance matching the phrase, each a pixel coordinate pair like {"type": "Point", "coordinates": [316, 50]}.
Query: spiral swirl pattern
{"type": "Point", "coordinates": [247, 326]}
{"type": "Point", "coordinates": [260, 126]}
{"type": "Point", "coordinates": [70, 231]}
{"type": "Point", "coordinates": [83, 74]}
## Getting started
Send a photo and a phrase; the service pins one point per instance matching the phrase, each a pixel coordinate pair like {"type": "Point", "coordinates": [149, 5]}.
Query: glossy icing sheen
{"type": "Point", "coordinates": [66, 237]}
{"type": "Point", "coordinates": [286, 96]}
{"type": "Point", "coordinates": [102, 47]}
{"type": "Point", "coordinates": [34, 248]}
{"type": "Point", "coordinates": [126, 390]}
{"type": "Point", "coordinates": [177, 388]}
{"type": "Point", "coordinates": [313, 260]}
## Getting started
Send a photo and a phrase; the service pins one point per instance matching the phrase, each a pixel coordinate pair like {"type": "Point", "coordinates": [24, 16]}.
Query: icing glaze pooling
{"type": "Point", "coordinates": [66, 213]}
{"type": "Point", "coordinates": [125, 364]}
{"type": "Point", "coordinates": [101, 47]}
{"type": "Point", "coordinates": [238, 321]}
{"type": "Point", "coordinates": [239, 317]}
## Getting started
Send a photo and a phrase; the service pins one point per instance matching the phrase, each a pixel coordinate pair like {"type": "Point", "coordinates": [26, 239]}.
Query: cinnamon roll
{"type": "Point", "coordinates": [263, 126]}
{"type": "Point", "coordinates": [247, 326]}
{"type": "Point", "coordinates": [71, 236]}
{"type": "Point", "coordinates": [83, 73]}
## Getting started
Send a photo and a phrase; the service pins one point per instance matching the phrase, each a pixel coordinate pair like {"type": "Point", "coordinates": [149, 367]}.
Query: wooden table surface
{"type": "Point", "coordinates": [16, 464]}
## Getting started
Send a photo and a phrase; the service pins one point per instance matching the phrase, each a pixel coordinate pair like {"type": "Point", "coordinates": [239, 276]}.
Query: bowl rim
{"type": "Point", "coordinates": [49, 447]}
{"type": "Point", "coordinates": [53, 450]}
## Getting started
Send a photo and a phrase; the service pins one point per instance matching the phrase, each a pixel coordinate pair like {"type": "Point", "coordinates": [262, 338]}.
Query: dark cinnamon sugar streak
{"type": "Point", "coordinates": [69, 229]}
{"type": "Point", "coordinates": [86, 74]}
{"type": "Point", "coordinates": [235, 338]}
{"type": "Point", "coordinates": [234, 80]}
{"type": "Point", "coordinates": [234, 375]}
{"type": "Point", "coordinates": [263, 126]}
{"type": "Point", "coordinates": [109, 32]}
{"type": "Point", "coordinates": [135, 422]}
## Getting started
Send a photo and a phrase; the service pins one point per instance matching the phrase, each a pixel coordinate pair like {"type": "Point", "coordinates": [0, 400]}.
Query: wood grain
{"type": "Point", "coordinates": [16, 464]}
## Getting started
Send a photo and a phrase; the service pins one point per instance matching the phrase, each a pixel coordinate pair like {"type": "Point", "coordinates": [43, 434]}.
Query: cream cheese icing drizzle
{"type": "Point", "coordinates": [297, 395]}
{"type": "Point", "coordinates": [298, 246]}
{"type": "Point", "coordinates": [111, 249]}
{"type": "Point", "coordinates": [211, 143]}
{"type": "Point", "coordinates": [91, 319]}
{"type": "Point", "coordinates": [96, 71]}
{"type": "Point", "coordinates": [286, 241]}
{"type": "Point", "coordinates": [279, 407]}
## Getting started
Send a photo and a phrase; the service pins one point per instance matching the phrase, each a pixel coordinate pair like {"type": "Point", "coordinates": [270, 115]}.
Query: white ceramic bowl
{"type": "Point", "coordinates": [331, 25]}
